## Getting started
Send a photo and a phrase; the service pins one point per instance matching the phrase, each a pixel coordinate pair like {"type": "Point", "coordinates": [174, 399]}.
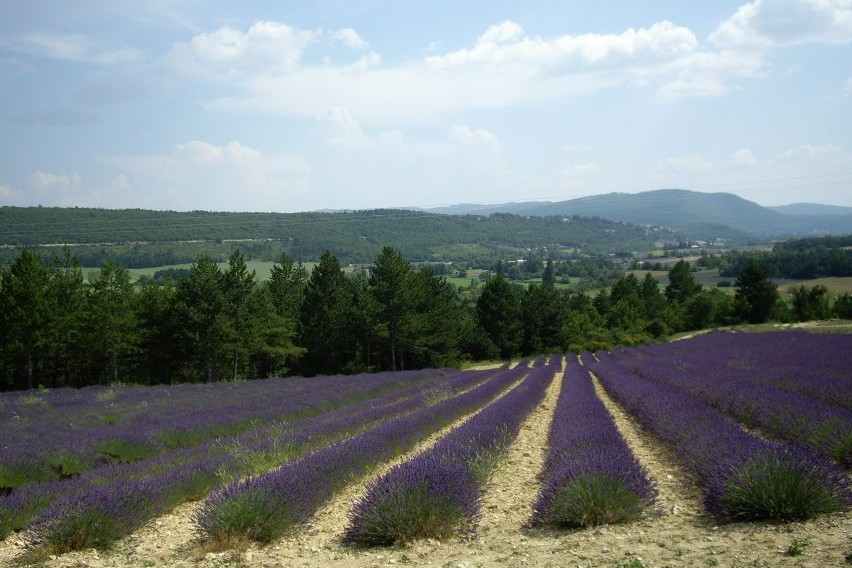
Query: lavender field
{"type": "Point", "coordinates": [757, 427]}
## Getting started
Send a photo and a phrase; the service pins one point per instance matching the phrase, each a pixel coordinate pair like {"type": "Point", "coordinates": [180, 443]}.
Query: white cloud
{"type": "Point", "coordinates": [501, 33]}
{"type": "Point", "coordinates": [827, 153]}
{"type": "Point", "coordinates": [75, 47]}
{"type": "Point", "coordinates": [350, 38]}
{"type": "Point", "coordinates": [744, 157]}
{"type": "Point", "coordinates": [710, 73]}
{"type": "Point", "coordinates": [345, 130]}
{"type": "Point", "coordinates": [46, 180]}
{"type": "Point", "coordinates": [770, 23]}
{"type": "Point", "coordinates": [379, 95]}
{"type": "Point", "coordinates": [504, 49]}
{"type": "Point", "coordinates": [225, 54]}
{"type": "Point", "coordinates": [199, 174]}
{"type": "Point", "coordinates": [365, 62]}
{"type": "Point", "coordinates": [468, 137]}
{"type": "Point", "coordinates": [504, 67]}
{"type": "Point", "coordinates": [476, 147]}
{"type": "Point", "coordinates": [848, 85]}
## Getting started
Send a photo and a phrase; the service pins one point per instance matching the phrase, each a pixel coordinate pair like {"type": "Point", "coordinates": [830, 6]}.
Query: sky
{"type": "Point", "coordinates": [263, 105]}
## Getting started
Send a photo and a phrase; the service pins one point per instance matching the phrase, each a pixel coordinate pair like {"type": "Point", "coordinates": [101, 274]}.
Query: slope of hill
{"type": "Point", "coordinates": [697, 215]}
{"type": "Point", "coordinates": [812, 210]}
{"type": "Point", "coordinates": [152, 238]}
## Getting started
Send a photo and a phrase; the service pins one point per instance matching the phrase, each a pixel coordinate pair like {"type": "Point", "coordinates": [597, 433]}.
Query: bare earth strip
{"type": "Point", "coordinates": [678, 494]}
{"type": "Point", "coordinates": [676, 535]}
{"type": "Point", "coordinates": [511, 493]}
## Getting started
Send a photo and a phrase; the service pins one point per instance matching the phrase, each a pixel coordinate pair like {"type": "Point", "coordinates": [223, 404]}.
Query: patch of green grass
{"type": "Point", "coordinates": [66, 464]}
{"type": "Point", "coordinates": [798, 546]}
{"type": "Point", "coordinates": [126, 451]}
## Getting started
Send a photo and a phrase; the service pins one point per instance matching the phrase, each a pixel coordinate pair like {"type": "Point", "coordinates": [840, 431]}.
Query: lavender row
{"type": "Point", "coordinates": [824, 427]}
{"type": "Point", "coordinates": [437, 493]}
{"type": "Point", "coordinates": [53, 441]}
{"type": "Point", "coordinates": [815, 365]}
{"type": "Point", "coordinates": [590, 476]}
{"type": "Point", "coordinates": [190, 473]}
{"type": "Point", "coordinates": [743, 476]}
{"type": "Point", "coordinates": [263, 507]}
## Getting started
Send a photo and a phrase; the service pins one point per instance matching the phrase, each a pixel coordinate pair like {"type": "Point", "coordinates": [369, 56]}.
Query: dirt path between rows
{"type": "Point", "coordinates": [676, 535]}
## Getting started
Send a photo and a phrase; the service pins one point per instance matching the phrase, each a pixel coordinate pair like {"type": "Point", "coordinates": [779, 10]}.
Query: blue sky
{"type": "Point", "coordinates": [293, 106]}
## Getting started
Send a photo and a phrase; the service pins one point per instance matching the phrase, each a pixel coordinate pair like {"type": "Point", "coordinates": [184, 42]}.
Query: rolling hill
{"type": "Point", "coordinates": [698, 215]}
{"type": "Point", "coordinates": [139, 238]}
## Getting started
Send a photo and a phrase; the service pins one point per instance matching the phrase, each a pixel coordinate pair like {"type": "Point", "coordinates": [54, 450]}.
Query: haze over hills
{"type": "Point", "coordinates": [698, 215]}
{"type": "Point", "coordinates": [811, 210]}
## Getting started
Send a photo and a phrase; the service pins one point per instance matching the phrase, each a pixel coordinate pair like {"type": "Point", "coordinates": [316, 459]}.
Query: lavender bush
{"type": "Point", "coordinates": [190, 473]}
{"type": "Point", "coordinates": [590, 476]}
{"type": "Point", "coordinates": [746, 392]}
{"type": "Point", "coordinates": [437, 493]}
{"type": "Point", "coordinates": [96, 518]}
{"type": "Point", "coordinates": [265, 506]}
{"type": "Point", "coordinates": [60, 433]}
{"type": "Point", "coordinates": [743, 476]}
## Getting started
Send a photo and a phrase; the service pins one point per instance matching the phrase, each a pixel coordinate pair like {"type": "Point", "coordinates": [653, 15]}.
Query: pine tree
{"type": "Point", "coordinates": [652, 300]}
{"type": "Point", "coordinates": [499, 312]}
{"type": "Point", "coordinates": [327, 320]}
{"type": "Point", "coordinates": [238, 287]}
{"type": "Point", "coordinates": [681, 283]}
{"type": "Point", "coordinates": [199, 309]}
{"type": "Point", "coordinates": [113, 321]}
{"type": "Point", "coordinates": [287, 285]}
{"type": "Point", "coordinates": [391, 288]}
{"type": "Point", "coordinates": [68, 323]}
{"type": "Point", "coordinates": [26, 315]}
{"type": "Point", "coordinates": [756, 297]}
{"type": "Point", "coordinates": [548, 279]}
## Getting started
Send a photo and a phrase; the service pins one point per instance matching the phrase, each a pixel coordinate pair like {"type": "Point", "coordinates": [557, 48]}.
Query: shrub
{"type": "Point", "coordinates": [424, 501]}
{"type": "Point", "coordinates": [782, 484]}
{"type": "Point", "coordinates": [95, 518]}
{"type": "Point", "coordinates": [594, 499]}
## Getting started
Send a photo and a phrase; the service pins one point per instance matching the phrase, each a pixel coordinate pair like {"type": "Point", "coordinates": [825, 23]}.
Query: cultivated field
{"type": "Point", "coordinates": [726, 449]}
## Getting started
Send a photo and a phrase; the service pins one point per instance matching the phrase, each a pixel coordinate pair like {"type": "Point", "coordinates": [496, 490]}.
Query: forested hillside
{"type": "Point", "coordinates": [140, 238]}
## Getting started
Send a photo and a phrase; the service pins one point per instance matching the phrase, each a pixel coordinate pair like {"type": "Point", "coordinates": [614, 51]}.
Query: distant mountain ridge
{"type": "Point", "coordinates": [811, 210]}
{"type": "Point", "coordinates": [698, 215]}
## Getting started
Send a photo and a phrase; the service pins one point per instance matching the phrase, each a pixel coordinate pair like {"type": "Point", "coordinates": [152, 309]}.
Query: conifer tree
{"type": "Point", "coordinates": [113, 321]}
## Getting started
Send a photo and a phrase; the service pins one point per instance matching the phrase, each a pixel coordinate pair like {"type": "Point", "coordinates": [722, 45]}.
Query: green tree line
{"type": "Point", "coordinates": [795, 259]}
{"type": "Point", "coordinates": [56, 329]}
